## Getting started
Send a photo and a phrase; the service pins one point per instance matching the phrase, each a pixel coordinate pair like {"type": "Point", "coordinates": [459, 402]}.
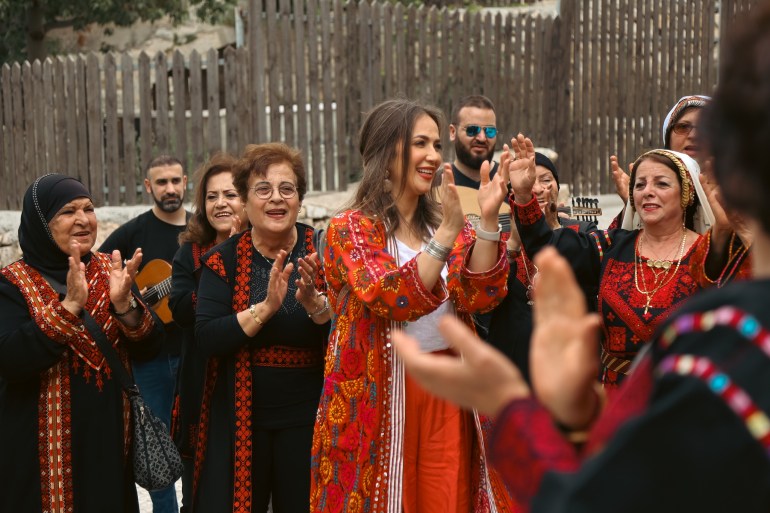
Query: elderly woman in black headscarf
{"type": "Point", "coordinates": [63, 430]}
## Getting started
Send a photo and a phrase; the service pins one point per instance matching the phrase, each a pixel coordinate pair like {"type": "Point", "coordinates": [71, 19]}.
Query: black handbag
{"type": "Point", "coordinates": [156, 460]}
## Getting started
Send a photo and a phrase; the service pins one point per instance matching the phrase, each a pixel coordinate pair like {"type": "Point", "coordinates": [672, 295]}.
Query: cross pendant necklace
{"type": "Point", "coordinates": [647, 304]}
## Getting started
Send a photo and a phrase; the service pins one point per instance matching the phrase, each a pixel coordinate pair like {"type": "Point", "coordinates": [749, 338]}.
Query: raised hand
{"type": "Point", "coordinates": [563, 354]}
{"type": "Point", "coordinates": [122, 278]}
{"type": "Point", "coordinates": [492, 193]}
{"type": "Point", "coordinates": [726, 221]}
{"type": "Point", "coordinates": [621, 179]}
{"type": "Point", "coordinates": [77, 285]}
{"type": "Point", "coordinates": [453, 218]}
{"type": "Point", "coordinates": [551, 208]}
{"type": "Point", "coordinates": [519, 163]}
{"type": "Point", "coordinates": [481, 378]}
{"type": "Point", "coordinates": [278, 285]}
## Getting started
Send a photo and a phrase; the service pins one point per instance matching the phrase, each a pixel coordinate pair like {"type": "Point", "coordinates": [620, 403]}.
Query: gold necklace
{"type": "Point", "coordinates": [530, 281]}
{"type": "Point", "coordinates": [666, 277]}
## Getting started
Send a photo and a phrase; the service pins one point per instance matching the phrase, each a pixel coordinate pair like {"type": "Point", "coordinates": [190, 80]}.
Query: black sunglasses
{"type": "Point", "coordinates": [474, 130]}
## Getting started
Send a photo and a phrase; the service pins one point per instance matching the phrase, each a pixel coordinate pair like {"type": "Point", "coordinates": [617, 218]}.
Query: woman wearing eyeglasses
{"type": "Point", "coordinates": [399, 259]}
{"type": "Point", "coordinates": [725, 254]}
{"type": "Point", "coordinates": [262, 321]}
{"type": "Point", "coordinates": [680, 128]}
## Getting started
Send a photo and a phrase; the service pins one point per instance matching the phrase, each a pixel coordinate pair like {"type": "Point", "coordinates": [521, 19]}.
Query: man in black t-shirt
{"type": "Point", "coordinates": [156, 232]}
{"type": "Point", "coordinates": [473, 131]}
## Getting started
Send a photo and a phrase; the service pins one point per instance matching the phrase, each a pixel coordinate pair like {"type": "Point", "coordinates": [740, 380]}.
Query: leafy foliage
{"type": "Point", "coordinates": [24, 23]}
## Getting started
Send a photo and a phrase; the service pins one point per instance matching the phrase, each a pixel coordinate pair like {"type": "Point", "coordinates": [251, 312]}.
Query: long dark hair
{"type": "Point", "coordinates": [199, 230]}
{"type": "Point", "coordinates": [386, 127]}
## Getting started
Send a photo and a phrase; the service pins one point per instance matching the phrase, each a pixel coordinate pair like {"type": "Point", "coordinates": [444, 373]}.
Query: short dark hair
{"type": "Point", "coordinates": [161, 161]}
{"type": "Point", "coordinates": [474, 100]}
{"type": "Point", "coordinates": [257, 158]}
{"type": "Point", "coordinates": [736, 125]}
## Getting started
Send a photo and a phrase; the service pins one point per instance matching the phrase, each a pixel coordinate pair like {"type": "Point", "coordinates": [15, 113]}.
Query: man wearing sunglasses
{"type": "Point", "coordinates": [473, 131]}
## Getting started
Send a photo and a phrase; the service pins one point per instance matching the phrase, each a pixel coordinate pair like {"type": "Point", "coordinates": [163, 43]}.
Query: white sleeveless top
{"type": "Point", "coordinates": [425, 329]}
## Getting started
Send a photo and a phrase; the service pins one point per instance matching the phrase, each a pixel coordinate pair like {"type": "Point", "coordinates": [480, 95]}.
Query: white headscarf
{"type": "Point", "coordinates": [685, 102]}
{"type": "Point", "coordinates": [689, 170]}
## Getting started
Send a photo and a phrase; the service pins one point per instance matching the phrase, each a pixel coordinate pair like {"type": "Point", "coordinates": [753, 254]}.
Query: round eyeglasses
{"type": "Point", "coordinates": [264, 190]}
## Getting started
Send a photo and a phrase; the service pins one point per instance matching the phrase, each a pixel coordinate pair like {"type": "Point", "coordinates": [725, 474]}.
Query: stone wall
{"type": "Point", "coordinates": [317, 209]}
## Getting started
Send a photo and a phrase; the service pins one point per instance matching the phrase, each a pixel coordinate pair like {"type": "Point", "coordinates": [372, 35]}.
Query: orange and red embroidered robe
{"type": "Point", "coordinates": [356, 464]}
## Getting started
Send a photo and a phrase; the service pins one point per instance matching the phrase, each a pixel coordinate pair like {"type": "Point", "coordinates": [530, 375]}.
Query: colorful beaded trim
{"type": "Point", "coordinates": [750, 328]}
{"type": "Point", "coordinates": [718, 382]}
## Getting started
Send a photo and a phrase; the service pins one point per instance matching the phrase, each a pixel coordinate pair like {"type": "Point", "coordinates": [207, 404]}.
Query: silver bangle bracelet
{"type": "Point", "coordinates": [437, 250]}
{"type": "Point", "coordinates": [323, 308]}
{"type": "Point", "coordinates": [491, 236]}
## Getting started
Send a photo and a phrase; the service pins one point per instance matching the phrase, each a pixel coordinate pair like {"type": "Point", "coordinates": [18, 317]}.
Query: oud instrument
{"type": "Point", "coordinates": [156, 277]}
{"type": "Point", "coordinates": [581, 209]}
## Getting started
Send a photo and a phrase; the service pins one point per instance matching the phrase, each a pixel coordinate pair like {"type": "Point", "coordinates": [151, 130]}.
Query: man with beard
{"type": "Point", "coordinates": [473, 132]}
{"type": "Point", "coordinates": [156, 232]}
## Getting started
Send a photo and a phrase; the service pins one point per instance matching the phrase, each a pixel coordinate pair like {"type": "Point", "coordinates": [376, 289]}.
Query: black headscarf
{"type": "Point", "coordinates": [43, 199]}
{"type": "Point", "coordinates": [542, 160]}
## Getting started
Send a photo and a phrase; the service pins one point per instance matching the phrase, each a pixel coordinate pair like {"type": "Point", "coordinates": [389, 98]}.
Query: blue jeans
{"type": "Point", "coordinates": [156, 380]}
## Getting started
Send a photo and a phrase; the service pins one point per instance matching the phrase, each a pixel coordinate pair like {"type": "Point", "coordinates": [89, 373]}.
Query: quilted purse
{"type": "Point", "coordinates": [156, 460]}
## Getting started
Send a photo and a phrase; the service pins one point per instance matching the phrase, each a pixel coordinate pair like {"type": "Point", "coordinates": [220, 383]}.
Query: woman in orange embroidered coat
{"type": "Point", "coordinates": [397, 258]}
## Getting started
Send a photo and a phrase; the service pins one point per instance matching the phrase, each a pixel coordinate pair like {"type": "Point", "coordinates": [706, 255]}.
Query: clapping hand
{"type": "Point", "coordinates": [279, 283]}
{"type": "Point", "coordinates": [492, 192]}
{"type": "Point", "coordinates": [453, 218]}
{"type": "Point", "coordinates": [307, 295]}
{"type": "Point", "coordinates": [481, 378]}
{"type": "Point", "coordinates": [122, 278]}
{"type": "Point", "coordinates": [563, 360]}
{"type": "Point", "coordinates": [77, 285]}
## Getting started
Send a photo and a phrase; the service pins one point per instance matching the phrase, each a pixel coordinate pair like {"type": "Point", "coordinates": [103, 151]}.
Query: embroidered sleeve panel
{"type": "Point", "coordinates": [61, 323]}
{"type": "Point", "coordinates": [359, 249]}
{"type": "Point", "coordinates": [141, 330]}
{"type": "Point", "coordinates": [525, 445]}
{"type": "Point", "coordinates": [216, 264]}
{"type": "Point", "coordinates": [527, 214]}
{"type": "Point", "coordinates": [476, 292]}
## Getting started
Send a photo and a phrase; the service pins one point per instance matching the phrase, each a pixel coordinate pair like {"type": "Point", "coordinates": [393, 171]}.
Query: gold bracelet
{"type": "Point", "coordinates": [253, 312]}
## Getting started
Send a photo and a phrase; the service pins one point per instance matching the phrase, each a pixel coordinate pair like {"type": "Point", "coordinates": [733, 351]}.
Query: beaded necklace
{"type": "Point", "coordinates": [664, 275]}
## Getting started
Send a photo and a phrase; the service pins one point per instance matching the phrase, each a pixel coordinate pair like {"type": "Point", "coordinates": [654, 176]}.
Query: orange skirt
{"type": "Point", "coordinates": [437, 453]}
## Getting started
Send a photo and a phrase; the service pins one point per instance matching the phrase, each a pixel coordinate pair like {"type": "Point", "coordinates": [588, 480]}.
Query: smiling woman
{"type": "Point", "coordinates": [56, 390]}
{"type": "Point", "coordinates": [262, 324]}
{"type": "Point", "coordinates": [218, 213]}
{"type": "Point", "coordinates": [643, 269]}
{"type": "Point", "coordinates": [397, 259]}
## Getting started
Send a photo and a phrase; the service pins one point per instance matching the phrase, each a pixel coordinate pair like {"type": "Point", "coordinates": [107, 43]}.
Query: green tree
{"type": "Point", "coordinates": [25, 23]}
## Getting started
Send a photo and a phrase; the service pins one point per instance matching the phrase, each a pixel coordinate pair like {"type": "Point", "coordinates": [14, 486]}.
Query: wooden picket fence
{"type": "Point", "coordinates": [597, 79]}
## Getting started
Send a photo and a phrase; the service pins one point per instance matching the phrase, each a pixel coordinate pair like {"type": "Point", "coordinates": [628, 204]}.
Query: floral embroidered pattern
{"type": "Point", "coordinates": [355, 442]}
